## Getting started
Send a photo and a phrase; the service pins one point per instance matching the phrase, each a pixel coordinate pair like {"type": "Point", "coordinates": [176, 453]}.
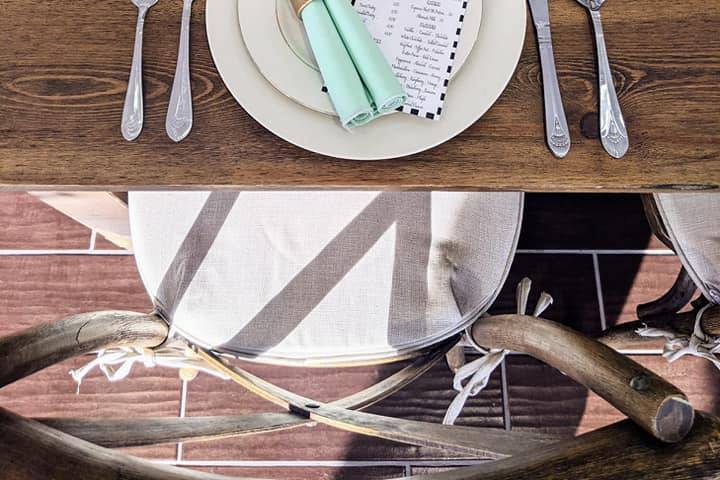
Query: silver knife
{"type": "Point", "coordinates": [556, 127]}
{"type": "Point", "coordinates": [179, 119]}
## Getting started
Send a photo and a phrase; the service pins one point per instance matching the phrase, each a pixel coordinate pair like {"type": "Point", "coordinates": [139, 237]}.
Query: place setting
{"type": "Point", "coordinates": [367, 81]}
{"type": "Point", "coordinates": [372, 79]}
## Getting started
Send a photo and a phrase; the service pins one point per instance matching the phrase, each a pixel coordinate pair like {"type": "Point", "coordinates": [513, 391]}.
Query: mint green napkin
{"type": "Point", "coordinates": [385, 90]}
{"type": "Point", "coordinates": [342, 80]}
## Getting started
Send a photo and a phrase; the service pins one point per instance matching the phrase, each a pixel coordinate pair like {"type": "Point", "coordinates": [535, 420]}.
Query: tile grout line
{"type": "Point", "coordinates": [181, 414]}
{"type": "Point", "coordinates": [600, 297]}
{"type": "Point", "coordinates": [323, 463]}
{"type": "Point", "coordinates": [66, 252]}
{"type": "Point", "coordinates": [571, 251]}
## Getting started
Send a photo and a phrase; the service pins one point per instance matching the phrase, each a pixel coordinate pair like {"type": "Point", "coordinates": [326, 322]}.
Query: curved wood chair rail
{"type": "Point", "coordinates": [36, 348]}
{"type": "Point", "coordinates": [624, 336]}
{"type": "Point", "coordinates": [30, 450]}
{"type": "Point", "coordinates": [654, 404]}
{"type": "Point", "coordinates": [117, 433]}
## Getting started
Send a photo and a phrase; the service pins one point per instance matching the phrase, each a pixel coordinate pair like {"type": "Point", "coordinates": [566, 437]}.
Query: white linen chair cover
{"type": "Point", "coordinates": [323, 278]}
{"type": "Point", "coordinates": [692, 221]}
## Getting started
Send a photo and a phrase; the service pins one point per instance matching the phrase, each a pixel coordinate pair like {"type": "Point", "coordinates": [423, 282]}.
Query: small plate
{"type": "Point", "coordinates": [486, 73]}
{"type": "Point", "coordinates": [276, 40]}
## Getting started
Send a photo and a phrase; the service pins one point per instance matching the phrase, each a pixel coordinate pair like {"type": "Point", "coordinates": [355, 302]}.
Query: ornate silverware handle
{"type": "Point", "coordinates": [180, 112]}
{"type": "Point", "coordinates": [556, 127]}
{"type": "Point", "coordinates": [133, 116]}
{"type": "Point", "coordinates": [613, 132]}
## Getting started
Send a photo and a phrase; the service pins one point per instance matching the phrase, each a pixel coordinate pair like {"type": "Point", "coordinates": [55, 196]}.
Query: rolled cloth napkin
{"type": "Point", "coordinates": [343, 83]}
{"type": "Point", "coordinates": [358, 78]}
{"type": "Point", "coordinates": [384, 88]}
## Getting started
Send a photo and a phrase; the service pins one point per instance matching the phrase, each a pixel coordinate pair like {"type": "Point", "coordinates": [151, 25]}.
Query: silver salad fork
{"type": "Point", "coordinates": [556, 127]}
{"type": "Point", "coordinates": [180, 112]}
{"type": "Point", "coordinates": [612, 124]}
{"type": "Point", "coordinates": [133, 116]}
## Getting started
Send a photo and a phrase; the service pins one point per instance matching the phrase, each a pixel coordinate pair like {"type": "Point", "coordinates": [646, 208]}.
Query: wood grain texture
{"type": "Point", "coordinates": [617, 451]}
{"type": "Point", "coordinates": [654, 404]}
{"type": "Point", "coordinates": [27, 224]}
{"type": "Point", "coordinates": [61, 104]}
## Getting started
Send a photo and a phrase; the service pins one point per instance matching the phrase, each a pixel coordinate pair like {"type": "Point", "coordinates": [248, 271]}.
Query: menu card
{"type": "Point", "coordinates": [419, 38]}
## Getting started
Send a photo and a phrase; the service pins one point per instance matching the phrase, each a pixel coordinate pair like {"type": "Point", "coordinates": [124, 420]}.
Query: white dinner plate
{"type": "Point", "coordinates": [276, 40]}
{"type": "Point", "coordinates": [475, 89]}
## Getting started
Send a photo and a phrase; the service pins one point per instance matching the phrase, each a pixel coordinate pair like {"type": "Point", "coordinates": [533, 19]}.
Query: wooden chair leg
{"type": "Point", "coordinates": [658, 407]}
{"type": "Point", "coordinates": [674, 300]}
{"type": "Point", "coordinates": [455, 358]}
{"type": "Point", "coordinates": [624, 336]}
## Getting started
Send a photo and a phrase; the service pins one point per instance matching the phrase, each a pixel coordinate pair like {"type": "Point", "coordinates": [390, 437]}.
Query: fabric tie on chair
{"type": "Point", "coordinates": [698, 344]}
{"type": "Point", "coordinates": [479, 371]}
{"type": "Point", "coordinates": [117, 363]}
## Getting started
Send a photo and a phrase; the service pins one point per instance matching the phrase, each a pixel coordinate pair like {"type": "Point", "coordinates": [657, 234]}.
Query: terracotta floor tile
{"type": "Point", "coordinates": [29, 224]}
{"type": "Point", "coordinates": [586, 221]}
{"type": "Point", "coordinates": [570, 279]}
{"type": "Point", "coordinates": [40, 289]}
{"type": "Point", "coordinates": [543, 398]}
{"type": "Point", "coordinates": [629, 280]}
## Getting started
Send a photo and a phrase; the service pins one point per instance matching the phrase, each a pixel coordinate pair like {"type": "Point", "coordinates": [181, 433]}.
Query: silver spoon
{"type": "Point", "coordinates": [613, 132]}
{"type": "Point", "coordinates": [180, 112]}
{"type": "Point", "coordinates": [133, 116]}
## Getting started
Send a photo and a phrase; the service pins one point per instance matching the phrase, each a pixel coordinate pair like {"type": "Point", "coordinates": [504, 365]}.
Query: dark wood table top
{"type": "Point", "coordinates": [64, 68]}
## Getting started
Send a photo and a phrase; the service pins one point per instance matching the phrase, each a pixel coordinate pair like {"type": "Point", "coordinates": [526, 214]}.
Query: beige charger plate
{"type": "Point", "coordinates": [276, 40]}
{"type": "Point", "coordinates": [475, 89]}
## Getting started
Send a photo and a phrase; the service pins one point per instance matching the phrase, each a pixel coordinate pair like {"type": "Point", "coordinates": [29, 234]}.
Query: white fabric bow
{"type": "Point", "coordinates": [698, 344]}
{"type": "Point", "coordinates": [479, 370]}
{"type": "Point", "coordinates": [117, 363]}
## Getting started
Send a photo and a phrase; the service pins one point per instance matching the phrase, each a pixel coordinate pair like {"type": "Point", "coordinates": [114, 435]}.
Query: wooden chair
{"type": "Point", "coordinates": [689, 224]}
{"type": "Point", "coordinates": [335, 279]}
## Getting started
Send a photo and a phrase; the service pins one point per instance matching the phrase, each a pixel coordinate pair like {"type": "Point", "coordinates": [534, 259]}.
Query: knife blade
{"type": "Point", "coordinates": [556, 127]}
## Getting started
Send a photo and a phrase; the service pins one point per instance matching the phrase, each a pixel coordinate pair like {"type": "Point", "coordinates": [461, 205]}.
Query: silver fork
{"type": "Point", "coordinates": [133, 116]}
{"type": "Point", "coordinates": [613, 132]}
{"type": "Point", "coordinates": [179, 119]}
